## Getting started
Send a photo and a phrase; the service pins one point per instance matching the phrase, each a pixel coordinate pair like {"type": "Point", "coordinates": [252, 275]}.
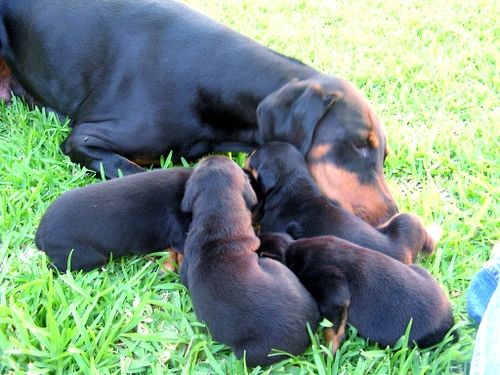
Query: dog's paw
{"type": "Point", "coordinates": [434, 234]}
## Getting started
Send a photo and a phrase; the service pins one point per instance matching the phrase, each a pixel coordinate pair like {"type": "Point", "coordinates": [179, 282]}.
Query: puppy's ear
{"type": "Point", "coordinates": [291, 113]}
{"type": "Point", "coordinates": [264, 178]}
{"type": "Point", "coordinates": [274, 245]}
{"type": "Point", "coordinates": [294, 229]}
{"type": "Point", "coordinates": [188, 199]}
{"type": "Point", "coordinates": [249, 194]}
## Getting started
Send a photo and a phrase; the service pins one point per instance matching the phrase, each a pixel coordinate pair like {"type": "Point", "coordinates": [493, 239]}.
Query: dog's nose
{"type": "Point", "coordinates": [392, 208]}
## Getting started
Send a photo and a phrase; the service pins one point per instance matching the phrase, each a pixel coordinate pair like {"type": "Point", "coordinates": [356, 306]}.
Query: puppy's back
{"type": "Point", "coordinates": [384, 293]}
{"type": "Point", "coordinates": [130, 215]}
{"type": "Point", "coordinates": [259, 306]}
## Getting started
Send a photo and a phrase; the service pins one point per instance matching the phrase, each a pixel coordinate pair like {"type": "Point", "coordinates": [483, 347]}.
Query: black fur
{"type": "Point", "coordinates": [379, 294]}
{"type": "Point", "coordinates": [251, 304]}
{"type": "Point", "coordinates": [140, 78]}
{"type": "Point", "coordinates": [292, 203]}
{"type": "Point", "coordinates": [137, 214]}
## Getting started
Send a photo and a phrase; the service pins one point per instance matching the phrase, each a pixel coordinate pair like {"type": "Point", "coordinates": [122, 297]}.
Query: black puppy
{"type": "Point", "coordinates": [375, 293]}
{"type": "Point", "coordinates": [251, 304]}
{"type": "Point", "coordinates": [140, 78]}
{"type": "Point", "coordinates": [137, 214]}
{"type": "Point", "coordinates": [293, 204]}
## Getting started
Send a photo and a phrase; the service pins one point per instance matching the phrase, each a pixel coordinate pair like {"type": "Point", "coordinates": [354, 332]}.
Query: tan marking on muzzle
{"type": "Point", "coordinates": [368, 201]}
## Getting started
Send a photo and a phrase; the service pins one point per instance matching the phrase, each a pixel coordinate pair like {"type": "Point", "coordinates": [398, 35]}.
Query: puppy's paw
{"type": "Point", "coordinates": [334, 338]}
{"type": "Point", "coordinates": [294, 229]}
{"type": "Point", "coordinates": [433, 235]}
{"type": "Point", "coordinates": [173, 263]}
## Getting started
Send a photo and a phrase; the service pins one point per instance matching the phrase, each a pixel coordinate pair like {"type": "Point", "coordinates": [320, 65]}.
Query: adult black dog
{"type": "Point", "coordinates": [292, 203]}
{"type": "Point", "coordinates": [141, 78]}
{"type": "Point", "coordinates": [136, 214]}
{"type": "Point", "coordinates": [375, 293]}
{"type": "Point", "coordinates": [251, 304]}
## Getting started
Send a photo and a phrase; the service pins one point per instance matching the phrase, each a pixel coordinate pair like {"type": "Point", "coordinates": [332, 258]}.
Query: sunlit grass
{"type": "Point", "coordinates": [428, 68]}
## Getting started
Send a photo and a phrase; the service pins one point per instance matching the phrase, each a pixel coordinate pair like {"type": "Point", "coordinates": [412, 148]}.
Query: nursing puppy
{"type": "Point", "coordinates": [292, 203]}
{"type": "Point", "coordinates": [137, 214]}
{"type": "Point", "coordinates": [252, 304]}
{"type": "Point", "coordinates": [375, 293]}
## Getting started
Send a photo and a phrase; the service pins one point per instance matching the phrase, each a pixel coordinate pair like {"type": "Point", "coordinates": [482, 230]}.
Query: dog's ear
{"type": "Point", "coordinates": [267, 179]}
{"type": "Point", "coordinates": [264, 178]}
{"type": "Point", "coordinates": [274, 245]}
{"type": "Point", "coordinates": [291, 113]}
{"type": "Point", "coordinates": [188, 199]}
{"type": "Point", "coordinates": [249, 194]}
{"type": "Point", "coordinates": [294, 229]}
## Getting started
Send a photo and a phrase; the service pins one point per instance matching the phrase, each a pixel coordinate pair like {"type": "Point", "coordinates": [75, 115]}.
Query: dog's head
{"type": "Point", "coordinates": [274, 161]}
{"type": "Point", "coordinates": [214, 174]}
{"type": "Point", "coordinates": [341, 138]}
{"type": "Point", "coordinates": [274, 245]}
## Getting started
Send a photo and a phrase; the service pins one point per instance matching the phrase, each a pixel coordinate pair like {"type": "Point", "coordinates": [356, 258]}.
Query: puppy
{"type": "Point", "coordinates": [136, 214]}
{"type": "Point", "coordinates": [375, 293]}
{"type": "Point", "coordinates": [292, 203]}
{"type": "Point", "coordinates": [251, 304]}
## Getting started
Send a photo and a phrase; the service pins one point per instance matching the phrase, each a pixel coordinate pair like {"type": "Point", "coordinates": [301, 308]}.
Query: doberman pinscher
{"type": "Point", "coordinates": [140, 78]}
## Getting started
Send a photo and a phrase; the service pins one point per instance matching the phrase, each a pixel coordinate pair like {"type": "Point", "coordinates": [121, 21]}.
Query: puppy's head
{"type": "Point", "coordinates": [212, 177]}
{"type": "Point", "coordinates": [342, 140]}
{"type": "Point", "coordinates": [272, 161]}
{"type": "Point", "coordinates": [274, 245]}
{"type": "Point", "coordinates": [409, 231]}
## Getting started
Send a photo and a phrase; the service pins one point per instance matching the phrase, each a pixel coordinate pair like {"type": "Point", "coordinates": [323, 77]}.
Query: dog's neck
{"type": "Point", "coordinates": [221, 226]}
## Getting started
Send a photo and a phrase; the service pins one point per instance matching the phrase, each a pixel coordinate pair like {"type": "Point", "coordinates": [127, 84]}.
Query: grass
{"type": "Point", "coordinates": [428, 68]}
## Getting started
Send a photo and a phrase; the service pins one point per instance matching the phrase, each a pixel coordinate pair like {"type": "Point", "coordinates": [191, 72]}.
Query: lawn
{"type": "Point", "coordinates": [429, 68]}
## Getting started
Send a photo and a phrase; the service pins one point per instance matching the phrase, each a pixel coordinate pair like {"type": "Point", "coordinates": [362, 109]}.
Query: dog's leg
{"type": "Point", "coordinates": [334, 308]}
{"type": "Point", "coordinates": [85, 259]}
{"type": "Point", "coordinates": [336, 333]}
{"type": "Point", "coordinates": [174, 262]}
{"type": "Point", "coordinates": [184, 270]}
{"type": "Point", "coordinates": [90, 146]}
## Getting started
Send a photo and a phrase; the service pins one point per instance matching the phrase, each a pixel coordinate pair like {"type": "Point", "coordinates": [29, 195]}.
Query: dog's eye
{"type": "Point", "coordinates": [361, 148]}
